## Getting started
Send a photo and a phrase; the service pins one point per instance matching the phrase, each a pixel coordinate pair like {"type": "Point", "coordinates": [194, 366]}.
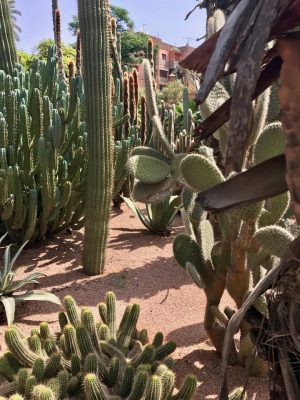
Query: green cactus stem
{"type": "Point", "coordinates": [78, 53]}
{"type": "Point", "coordinates": [82, 365]}
{"type": "Point", "coordinates": [8, 50]}
{"type": "Point", "coordinates": [97, 85]}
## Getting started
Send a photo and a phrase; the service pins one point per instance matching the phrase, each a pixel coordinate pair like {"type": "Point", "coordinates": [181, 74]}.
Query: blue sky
{"type": "Point", "coordinates": [159, 17]}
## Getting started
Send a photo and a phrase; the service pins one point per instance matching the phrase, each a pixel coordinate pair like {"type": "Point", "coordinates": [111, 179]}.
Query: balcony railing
{"type": "Point", "coordinates": [164, 64]}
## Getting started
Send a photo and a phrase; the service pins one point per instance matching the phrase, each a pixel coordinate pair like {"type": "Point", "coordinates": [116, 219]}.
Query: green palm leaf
{"type": "Point", "coordinates": [42, 296]}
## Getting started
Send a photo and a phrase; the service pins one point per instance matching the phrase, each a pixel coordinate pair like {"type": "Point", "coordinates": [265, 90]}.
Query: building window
{"type": "Point", "coordinates": [163, 73]}
{"type": "Point", "coordinates": [164, 56]}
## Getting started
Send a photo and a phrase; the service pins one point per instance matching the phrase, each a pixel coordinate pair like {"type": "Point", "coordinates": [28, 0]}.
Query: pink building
{"type": "Point", "coordinates": [168, 60]}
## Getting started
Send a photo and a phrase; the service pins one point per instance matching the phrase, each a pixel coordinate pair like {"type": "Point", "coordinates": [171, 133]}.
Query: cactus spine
{"type": "Point", "coordinates": [97, 84]}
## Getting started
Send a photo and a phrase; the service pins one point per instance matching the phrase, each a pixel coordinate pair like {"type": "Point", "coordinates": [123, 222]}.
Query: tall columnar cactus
{"type": "Point", "coordinates": [78, 53]}
{"type": "Point", "coordinates": [128, 129]}
{"type": "Point", "coordinates": [94, 22]}
{"type": "Point", "coordinates": [91, 359]}
{"type": "Point", "coordinates": [8, 50]}
{"type": "Point", "coordinates": [58, 42]}
{"type": "Point", "coordinates": [54, 8]}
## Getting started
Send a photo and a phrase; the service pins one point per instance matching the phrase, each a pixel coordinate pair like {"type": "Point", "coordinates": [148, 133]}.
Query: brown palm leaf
{"type": "Point", "coordinates": [261, 182]}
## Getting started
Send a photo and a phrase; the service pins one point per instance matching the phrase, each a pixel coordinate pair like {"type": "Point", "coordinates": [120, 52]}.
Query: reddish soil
{"type": "Point", "coordinates": [140, 268]}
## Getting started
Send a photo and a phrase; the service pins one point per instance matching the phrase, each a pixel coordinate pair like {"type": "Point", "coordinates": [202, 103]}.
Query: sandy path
{"type": "Point", "coordinates": [140, 268]}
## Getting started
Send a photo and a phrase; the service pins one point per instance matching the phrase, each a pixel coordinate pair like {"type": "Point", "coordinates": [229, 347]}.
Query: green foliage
{"type": "Point", "coordinates": [41, 51]}
{"type": "Point", "coordinates": [73, 26]}
{"type": "Point", "coordinates": [25, 59]}
{"type": "Point", "coordinates": [123, 20]}
{"type": "Point", "coordinates": [81, 363]}
{"type": "Point", "coordinates": [9, 287]}
{"type": "Point", "coordinates": [157, 217]}
{"type": "Point", "coordinates": [134, 44]}
{"type": "Point", "coordinates": [134, 47]}
{"type": "Point", "coordinates": [270, 143]}
{"type": "Point", "coordinates": [120, 14]}
{"type": "Point", "coordinates": [172, 92]}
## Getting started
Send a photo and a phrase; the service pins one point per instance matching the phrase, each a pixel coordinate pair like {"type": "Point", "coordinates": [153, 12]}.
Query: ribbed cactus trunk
{"type": "Point", "coordinates": [94, 23]}
{"type": "Point", "coordinates": [8, 50]}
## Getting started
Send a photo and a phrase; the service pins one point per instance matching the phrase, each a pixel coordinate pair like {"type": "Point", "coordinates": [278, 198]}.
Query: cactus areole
{"type": "Point", "coordinates": [94, 23]}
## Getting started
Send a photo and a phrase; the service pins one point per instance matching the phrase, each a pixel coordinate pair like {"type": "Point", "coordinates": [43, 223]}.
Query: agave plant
{"type": "Point", "coordinates": [9, 286]}
{"type": "Point", "coordinates": [158, 216]}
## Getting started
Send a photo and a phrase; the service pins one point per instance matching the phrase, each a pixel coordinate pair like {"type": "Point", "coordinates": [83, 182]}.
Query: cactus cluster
{"type": "Point", "coordinates": [43, 147]}
{"type": "Point", "coordinates": [126, 125]}
{"type": "Point", "coordinates": [139, 123]}
{"type": "Point", "coordinates": [155, 168]}
{"type": "Point", "coordinates": [91, 359]}
{"type": "Point", "coordinates": [233, 250]}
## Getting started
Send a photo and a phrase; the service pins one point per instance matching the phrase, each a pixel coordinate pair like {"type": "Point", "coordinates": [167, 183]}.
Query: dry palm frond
{"type": "Point", "coordinates": [14, 12]}
{"type": "Point", "coordinates": [241, 46]}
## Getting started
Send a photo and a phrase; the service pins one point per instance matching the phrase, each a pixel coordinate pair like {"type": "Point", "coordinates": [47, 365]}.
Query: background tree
{"type": "Point", "coordinates": [134, 44]}
{"type": "Point", "coordinates": [41, 51]}
{"type": "Point", "coordinates": [134, 47]}
{"type": "Point", "coordinates": [123, 20]}
{"type": "Point", "coordinates": [25, 58]}
{"type": "Point", "coordinates": [121, 15]}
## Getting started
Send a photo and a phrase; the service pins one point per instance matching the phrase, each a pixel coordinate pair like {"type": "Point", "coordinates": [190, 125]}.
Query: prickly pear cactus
{"type": "Point", "coordinates": [91, 359]}
{"type": "Point", "coordinates": [156, 168]}
{"type": "Point", "coordinates": [236, 250]}
{"type": "Point", "coordinates": [250, 237]}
